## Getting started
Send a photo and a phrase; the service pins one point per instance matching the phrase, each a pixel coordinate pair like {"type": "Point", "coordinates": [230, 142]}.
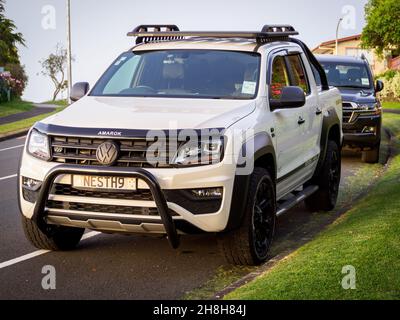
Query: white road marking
{"type": "Point", "coordinates": [20, 138]}
{"type": "Point", "coordinates": [10, 148]}
{"type": "Point", "coordinates": [39, 252]}
{"type": "Point", "coordinates": [8, 177]}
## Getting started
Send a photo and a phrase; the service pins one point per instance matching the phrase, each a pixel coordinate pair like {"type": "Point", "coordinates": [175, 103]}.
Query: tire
{"type": "Point", "coordinates": [328, 181]}
{"type": "Point", "coordinates": [59, 238]}
{"type": "Point", "coordinates": [250, 243]}
{"type": "Point", "coordinates": [371, 156]}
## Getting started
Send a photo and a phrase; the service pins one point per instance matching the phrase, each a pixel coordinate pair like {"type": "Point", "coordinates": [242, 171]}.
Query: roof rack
{"type": "Point", "coordinates": [154, 33]}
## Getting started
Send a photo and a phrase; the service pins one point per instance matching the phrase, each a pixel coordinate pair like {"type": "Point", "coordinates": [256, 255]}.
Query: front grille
{"type": "Point", "coordinates": [68, 190]}
{"type": "Point", "coordinates": [133, 152]}
{"type": "Point", "coordinates": [138, 195]}
{"type": "Point", "coordinates": [348, 112]}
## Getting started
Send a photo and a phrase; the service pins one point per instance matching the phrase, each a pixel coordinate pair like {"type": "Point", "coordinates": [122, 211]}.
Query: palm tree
{"type": "Point", "coordinates": [9, 39]}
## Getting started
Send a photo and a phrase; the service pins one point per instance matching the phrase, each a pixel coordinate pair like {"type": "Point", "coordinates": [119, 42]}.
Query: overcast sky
{"type": "Point", "coordinates": [99, 27]}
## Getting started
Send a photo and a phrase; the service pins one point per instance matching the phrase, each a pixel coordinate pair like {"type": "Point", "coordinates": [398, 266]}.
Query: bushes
{"type": "Point", "coordinates": [391, 91]}
{"type": "Point", "coordinates": [14, 80]}
{"type": "Point", "coordinates": [3, 90]}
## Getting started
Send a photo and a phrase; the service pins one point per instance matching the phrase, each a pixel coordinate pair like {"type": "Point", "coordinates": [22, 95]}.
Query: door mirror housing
{"type": "Point", "coordinates": [291, 97]}
{"type": "Point", "coordinates": [79, 90]}
{"type": "Point", "coordinates": [379, 86]}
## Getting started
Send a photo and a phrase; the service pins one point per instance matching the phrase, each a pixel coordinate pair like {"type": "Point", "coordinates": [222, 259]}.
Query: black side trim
{"type": "Point", "coordinates": [158, 196]}
{"type": "Point", "coordinates": [286, 176]}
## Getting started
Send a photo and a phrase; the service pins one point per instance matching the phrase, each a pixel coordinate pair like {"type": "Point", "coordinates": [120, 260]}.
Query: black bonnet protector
{"type": "Point", "coordinates": [110, 133]}
{"type": "Point", "coordinates": [161, 203]}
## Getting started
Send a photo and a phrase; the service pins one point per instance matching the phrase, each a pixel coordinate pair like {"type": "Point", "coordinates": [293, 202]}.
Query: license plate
{"type": "Point", "coordinates": [104, 182]}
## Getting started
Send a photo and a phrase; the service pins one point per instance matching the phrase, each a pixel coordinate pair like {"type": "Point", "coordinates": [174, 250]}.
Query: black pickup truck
{"type": "Point", "coordinates": [362, 114]}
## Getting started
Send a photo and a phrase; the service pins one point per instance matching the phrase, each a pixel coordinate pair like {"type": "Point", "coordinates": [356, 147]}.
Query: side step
{"type": "Point", "coordinates": [285, 206]}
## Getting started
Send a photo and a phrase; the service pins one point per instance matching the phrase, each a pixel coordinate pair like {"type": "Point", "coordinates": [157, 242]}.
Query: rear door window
{"type": "Point", "coordinates": [299, 76]}
{"type": "Point", "coordinates": [280, 77]}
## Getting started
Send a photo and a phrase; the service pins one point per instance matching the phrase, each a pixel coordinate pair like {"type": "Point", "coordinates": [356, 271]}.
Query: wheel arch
{"type": "Point", "coordinates": [331, 130]}
{"type": "Point", "coordinates": [261, 154]}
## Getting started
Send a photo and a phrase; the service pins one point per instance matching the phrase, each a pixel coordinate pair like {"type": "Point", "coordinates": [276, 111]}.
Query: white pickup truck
{"type": "Point", "coordinates": [187, 132]}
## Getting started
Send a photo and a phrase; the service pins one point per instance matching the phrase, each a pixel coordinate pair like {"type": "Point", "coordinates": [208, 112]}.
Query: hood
{"type": "Point", "coordinates": [357, 95]}
{"type": "Point", "coordinates": [151, 113]}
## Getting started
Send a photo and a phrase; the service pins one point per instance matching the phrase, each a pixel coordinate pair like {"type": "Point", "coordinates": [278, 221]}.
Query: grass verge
{"type": "Point", "coordinates": [391, 105]}
{"type": "Point", "coordinates": [366, 237]}
{"type": "Point", "coordinates": [14, 107]}
{"type": "Point", "coordinates": [60, 103]}
{"type": "Point", "coordinates": [24, 124]}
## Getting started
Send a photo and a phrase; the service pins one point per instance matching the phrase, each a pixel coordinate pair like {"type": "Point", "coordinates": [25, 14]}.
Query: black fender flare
{"type": "Point", "coordinates": [330, 120]}
{"type": "Point", "coordinates": [262, 146]}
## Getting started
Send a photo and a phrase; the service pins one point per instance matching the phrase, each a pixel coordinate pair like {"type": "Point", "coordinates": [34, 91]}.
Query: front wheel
{"type": "Point", "coordinates": [57, 238]}
{"type": "Point", "coordinates": [328, 181]}
{"type": "Point", "coordinates": [250, 243]}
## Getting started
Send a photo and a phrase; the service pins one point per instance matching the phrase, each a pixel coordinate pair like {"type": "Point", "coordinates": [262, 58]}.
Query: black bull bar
{"type": "Point", "coordinates": [144, 175]}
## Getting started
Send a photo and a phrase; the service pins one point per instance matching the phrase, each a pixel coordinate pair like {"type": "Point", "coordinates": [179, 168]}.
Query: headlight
{"type": "Point", "coordinates": [199, 153]}
{"type": "Point", "coordinates": [370, 109]}
{"type": "Point", "coordinates": [38, 145]}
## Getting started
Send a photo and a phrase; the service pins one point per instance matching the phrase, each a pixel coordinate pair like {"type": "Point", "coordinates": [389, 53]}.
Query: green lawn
{"type": "Point", "coordinates": [24, 124]}
{"type": "Point", "coordinates": [13, 107]}
{"type": "Point", "coordinates": [391, 105]}
{"type": "Point", "coordinates": [367, 237]}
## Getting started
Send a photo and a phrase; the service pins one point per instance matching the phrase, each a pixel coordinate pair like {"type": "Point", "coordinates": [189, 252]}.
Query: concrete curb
{"type": "Point", "coordinates": [15, 134]}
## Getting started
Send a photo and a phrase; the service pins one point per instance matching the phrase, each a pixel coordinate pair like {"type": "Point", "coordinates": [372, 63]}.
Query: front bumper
{"type": "Point", "coordinates": [141, 174]}
{"type": "Point", "coordinates": [161, 182]}
{"type": "Point", "coordinates": [355, 135]}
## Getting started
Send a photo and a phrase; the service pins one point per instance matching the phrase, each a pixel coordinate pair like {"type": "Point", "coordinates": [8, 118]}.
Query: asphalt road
{"type": "Point", "coordinates": [112, 266]}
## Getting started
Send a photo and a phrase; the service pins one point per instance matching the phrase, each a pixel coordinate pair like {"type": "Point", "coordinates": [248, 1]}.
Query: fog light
{"type": "Point", "coordinates": [369, 130]}
{"type": "Point", "coordinates": [31, 184]}
{"type": "Point", "coordinates": [208, 193]}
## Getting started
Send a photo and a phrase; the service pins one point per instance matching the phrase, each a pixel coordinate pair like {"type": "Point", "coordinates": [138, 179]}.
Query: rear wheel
{"type": "Point", "coordinates": [249, 244]}
{"type": "Point", "coordinates": [57, 238]}
{"type": "Point", "coordinates": [371, 156]}
{"type": "Point", "coordinates": [328, 181]}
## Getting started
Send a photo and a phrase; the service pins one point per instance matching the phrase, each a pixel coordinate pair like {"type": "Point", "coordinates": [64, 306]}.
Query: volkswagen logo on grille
{"type": "Point", "coordinates": [107, 153]}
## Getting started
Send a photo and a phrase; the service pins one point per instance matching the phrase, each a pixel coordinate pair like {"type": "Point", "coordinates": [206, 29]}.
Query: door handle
{"type": "Point", "coordinates": [318, 111]}
{"type": "Point", "coordinates": [301, 121]}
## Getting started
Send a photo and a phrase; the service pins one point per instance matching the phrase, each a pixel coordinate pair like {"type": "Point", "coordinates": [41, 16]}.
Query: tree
{"type": "Point", "coordinates": [54, 67]}
{"type": "Point", "coordinates": [382, 31]}
{"type": "Point", "coordinates": [9, 39]}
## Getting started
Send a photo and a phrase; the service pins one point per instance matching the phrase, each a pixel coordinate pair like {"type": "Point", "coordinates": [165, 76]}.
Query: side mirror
{"type": "Point", "coordinates": [379, 86]}
{"type": "Point", "coordinates": [291, 97]}
{"type": "Point", "coordinates": [79, 90]}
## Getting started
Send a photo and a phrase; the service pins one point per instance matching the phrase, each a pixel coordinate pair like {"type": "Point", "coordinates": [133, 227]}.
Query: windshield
{"type": "Point", "coordinates": [182, 73]}
{"type": "Point", "coordinates": [351, 75]}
